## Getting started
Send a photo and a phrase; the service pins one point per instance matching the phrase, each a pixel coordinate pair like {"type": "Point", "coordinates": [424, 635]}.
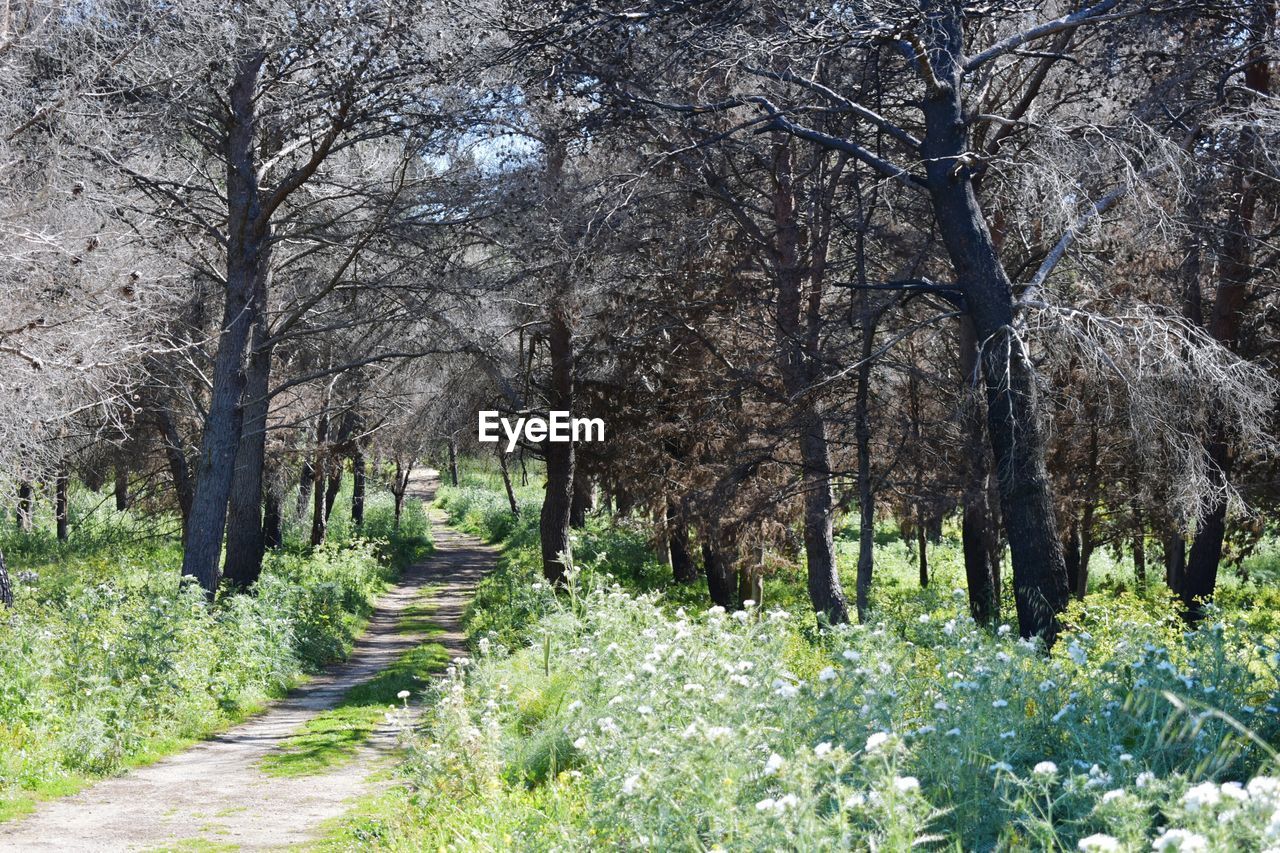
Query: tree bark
{"type": "Point", "coordinates": [272, 532]}
{"type": "Point", "coordinates": [246, 544]}
{"type": "Point", "coordinates": [553, 524]}
{"type": "Point", "coordinates": [247, 259]}
{"type": "Point", "coordinates": [977, 528]}
{"type": "Point", "coordinates": [61, 505]}
{"type": "Point", "coordinates": [683, 569]}
{"type": "Point", "coordinates": [336, 470]}
{"type": "Point", "coordinates": [26, 515]}
{"type": "Point", "coordinates": [357, 486]}
{"type": "Point", "coordinates": [1139, 547]}
{"type": "Point", "coordinates": [1175, 559]}
{"type": "Point", "coordinates": [506, 482]}
{"type": "Point", "coordinates": [179, 470]}
{"type": "Point", "coordinates": [866, 488]}
{"type": "Point", "coordinates": [122, 487]}
{"type": "Point", "coordinates": [306, 481]}
{"type": "Point", "coordinates": [1026, 500]}
{"type": "Point", "coordinates": [6, 586]}
{"type": "Point", "coordinates": [453, 460]}
{"type": "Point", "coordinates": [717, 561]}
{"type": "Point", "coordinates": [797, 355]}
{"type": "Point", "coordinates": [582, 502]}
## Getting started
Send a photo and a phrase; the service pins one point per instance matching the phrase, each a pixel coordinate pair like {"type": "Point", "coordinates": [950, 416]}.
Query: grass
{"type": "Point", "coordinates": [333, 737]}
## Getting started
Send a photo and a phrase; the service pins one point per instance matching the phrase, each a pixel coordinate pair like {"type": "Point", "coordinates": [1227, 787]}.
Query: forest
{"type": "Point", "coordinates": [640, 424]}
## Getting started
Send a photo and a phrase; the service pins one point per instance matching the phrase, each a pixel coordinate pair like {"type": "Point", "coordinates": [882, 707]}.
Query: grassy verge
{"type": "Point", "coordinates": [108, 662]}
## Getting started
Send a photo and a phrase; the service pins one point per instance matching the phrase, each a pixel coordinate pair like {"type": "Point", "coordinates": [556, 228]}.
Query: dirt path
{"type": "Point", "coordinates": [214, 794]}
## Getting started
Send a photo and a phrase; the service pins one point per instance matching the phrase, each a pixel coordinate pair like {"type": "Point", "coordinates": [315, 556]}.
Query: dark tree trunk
{"type": "Point", "coordinates": [61, 507]}
{"type": "Point", "coordinates": [306, 481]}
{"type": "Point", "coordinates": [718, 562]}
{"type": "Point", "coordinates": [179, 470]}
{"type": "Point", "coordinates": [977, 528]}
{"type": "Point", "coordinates": [1235, 272]}
{"type": "Point", "coordinates": [1071, 556]}
{"type": "Point", "coordinates": [357, 486]}
{"type": "Point", "coordinates": [26, 514]}
{"type": "Point", "coordinates": [682, 565]}
{"type": "Point", "coordinates": [453, 460]}
{"type": "Point", "coordinates": [272, 522]}
{"type": "Point", "coordinates": [625, 502]}
{"type": "Point", "coordinates": [122, 487]}
{"type": "Point", "coordinates": [506, 483]}
{"type": "Point", "coordinates": [750, 586]}
{"type": "Point", "coordinates": [400, 486]}
{"type": "Point", "coordinates": [335, 486]}
{"type": "Point", "coordinates": [1026, 501]}
{"type": "Point", "coordinates": [922, 544]}
{"type": "Point", "coordinates": [582, 502]}
{"type": "Point", "coordinates": [866, 488]}
{"type": "Point", "coordinates": [798, 333]}
{"type": "Point", "coordinates": [6, 586]}
{"type": "Point", "coordinates": [245, 541]}
{"type": "Point", "coordinates": [1175, 559]}
{"type": "Point", "coordinates": [557, 552]}
{"type": "Point", "coordinates": [247, 259]}
{"type": "Point", "coordinates": [1139, 546]}
{"type": "Point", "coordinates": [319, 519]}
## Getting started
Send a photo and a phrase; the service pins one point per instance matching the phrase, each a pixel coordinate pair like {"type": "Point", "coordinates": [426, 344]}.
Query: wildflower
{"type": "Point", "coordinates": [1003, 657]}
{"type": "Point", "coordinates": [716, 733]}
{"type": "Point", "coordinates": [1046, 769]}
{"type": "Point", "coordinates": [851, 655]}
{"type": "Point", "coordinates": [828, 674]}
{"type": "Point", "coordinates": [717, 610]}
{"type": "Point", "coordinates": [484, 645]}
{"type": "Point", "coordinates": [949, 628]}
{"type": "Point", "coordinates": [941, 705]}
{"type": "Point", "coordinates": [1000, 703]}
{"type": "Point", "coordinates": [1099, 842]}
{"type": "Point", "coordinates": [693, 687]}
{"type": "Point", "coordinates": [1113, 795]}
{"type": "Point", "coordinates": [766, 805]}
{"type": "Point", "coordinates": [855, 801]}
{"type": "Point", "coordinates": [1003, 630]}
{"type": "Point", "coordinates": [952, 733]}
{"type": "Point", "coordinates": [876, 740]}
{"type": "Point", "coordinates": [575, 705]}
{"type": "Point", "coordinates": [786, 690]}
{"type": "Point", "coordinates": [774, 764]}
{"type": "Point", "coordinates": [580, 743]}
{"type": "Point", "coordinates": [1264, 788]}
{"type": "Point", "coordinates": [906, 784]}
{"type": "Point", "coordinates": [742, 616]}
{"type": "Point", "coordinates": [822, 749]}
{"type": "Point", "coordinates": [786, 801]}
{"type": "Point", "coordinates": [923, 618]}
{"type": "Point", "coordinates": [1012, 733]}
{"type": "Point", "coordinates": [1145, 778]}
{"type": "Point", "coordinates": [1204, 795]}
{"type": "Point", "coordinates": [1077, 653]}
{"type": "Point", "coordinates": [644, 710]}
{"type": "Point", "coordinates": [1047, 685]}
{"type": "Point", "coordinates": [403, 694]}
{"type": "Point", "coordinates": [607, 725]}
{"type": "Point", "coordinates": [1001, 767]}
{"type": "Point", "coordinates": [1234, 791]}
{"type": "Point", "coordinates": [748, 604]}
{"type": "Point", "coordinates": [1181, 840]}
{"type": "Point", "coordinates": [1125, 758]}
{"type": "Point", "coordinates": [631, 784]}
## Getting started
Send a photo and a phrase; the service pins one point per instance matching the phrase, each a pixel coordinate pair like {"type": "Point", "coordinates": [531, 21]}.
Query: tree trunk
{"type": "Point", "coordinates": [306, 481]}
{"type": "Point", "coordinates": [357, 486]}
{"type": "Point", "coordinates": [977, 528]}
{"type": "Point", "coordinates": [683, 569]}
{"type": "Point", "coordinates": [26, 515]}
{"type": "Point", "coordinates": [337, 468]}
{"type": "Point", "coordinates": [179, 470]}
{"type": "Point", "coordinates": [453, 460]}
{"type": "Point", "coordinates": [247, 259]}
{"type": "Point", "coordinates": [1139, 546]}
{"type": "Point", "coordinates": [6, 586]}
{"type": "Point", "coordinates": [272, 532]}
{"type": "Point", "coordinates": [122, 487]}
{"type": "Point", "coordinates": [557, 552]}
{"type": "Point", "coordinates": [1013, 427]}
{"type": "Point", "coordinates": [582, 501]}
{"type": "Point", "coordinates": [1235, 272]}
{"type": "Point", "coordinates": [797, 353]}
{"type": "Point", "coordinates": [319, 517]}
{"type": "Point", "coordinates": [1175, 559]}
{"type": "Point", "coordinates": [922, 543]}
{"type": "Point", "coordinates": [718, 563]}
{"type": "Point", "coordinates": [866, 488]}
{"type": "Point", "coordinates": [61, 507]}
{"type": "Point", "coordinates": [506, 483]}
{"type": "Point", "coordinates": [245, 541]}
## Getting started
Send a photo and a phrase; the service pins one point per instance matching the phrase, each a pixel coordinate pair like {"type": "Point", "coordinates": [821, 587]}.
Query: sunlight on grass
{"type": "Point", "coordinates": [333, 737]}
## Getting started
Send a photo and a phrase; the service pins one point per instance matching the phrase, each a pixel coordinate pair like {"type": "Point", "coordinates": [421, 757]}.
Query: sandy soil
{"type": "Point", "coordinates": [214, 792]}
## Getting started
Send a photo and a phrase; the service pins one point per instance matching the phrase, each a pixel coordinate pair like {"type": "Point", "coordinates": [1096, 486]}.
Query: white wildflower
{"type": "Point", "coordinates": [1045, 769]}
{"type": "Point", "coordinates": [828, 674]}
{"type": "Point", "coordinates": [1099, 842]}
{"type": "Point", "coordinates": [1204, 795]}
{"type": "Point", "coordinates": [774, 764]}
{"type": "Point", "coordinates": [906, 784]}
{"type": "Point", "coordinates": [1181, 840]}
{"type": "Point", "coordinates": [822, 749]}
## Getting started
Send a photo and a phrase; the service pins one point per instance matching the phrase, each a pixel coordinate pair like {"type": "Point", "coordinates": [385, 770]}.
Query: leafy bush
{"type": "Point", "coordinates": [638, 726]}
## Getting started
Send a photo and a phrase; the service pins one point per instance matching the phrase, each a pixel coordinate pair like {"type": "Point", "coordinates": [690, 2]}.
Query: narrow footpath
{"type": "Point", "coordinates": [214, 795]}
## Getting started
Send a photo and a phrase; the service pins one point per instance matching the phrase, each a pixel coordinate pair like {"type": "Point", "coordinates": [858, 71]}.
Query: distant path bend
{"type": "Point", "coordinates": [214, 793]}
